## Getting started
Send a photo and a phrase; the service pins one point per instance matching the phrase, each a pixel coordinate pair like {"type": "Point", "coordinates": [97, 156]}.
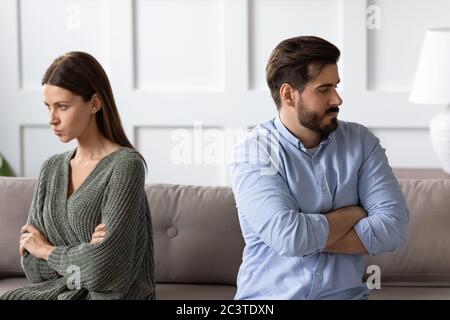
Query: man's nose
{"type": "Point", "coordinates": [336, 99]}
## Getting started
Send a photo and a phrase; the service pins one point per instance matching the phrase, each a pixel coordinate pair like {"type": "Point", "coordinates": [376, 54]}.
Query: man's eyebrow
{"type": "Point", "coordinates": [328, 84]}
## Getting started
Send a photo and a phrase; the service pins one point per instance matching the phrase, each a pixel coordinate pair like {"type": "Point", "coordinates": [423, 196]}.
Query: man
{"type": "Point", "coordinates": [314, 194]}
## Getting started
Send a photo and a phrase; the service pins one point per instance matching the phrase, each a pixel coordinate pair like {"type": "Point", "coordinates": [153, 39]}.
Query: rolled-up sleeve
{"type": "Point", "coordinates": [385, 227]}
{"type": "Point", "coordinates": [266, 203]}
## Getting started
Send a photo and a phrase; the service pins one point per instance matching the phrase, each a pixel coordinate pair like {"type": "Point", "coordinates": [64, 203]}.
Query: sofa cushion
{"type": "Point", "coordinates": [164, 291]}
{"type": "Point", "coordinates": [410, 293]}
{"type": "Point", "coordinates": [12, 283]}
{"type": "Point", "coordinates": [15, 202]}
{"type": "Point", "coordinates": [196, 234]}
{"type": "Point", "coordinates": [173, 291]}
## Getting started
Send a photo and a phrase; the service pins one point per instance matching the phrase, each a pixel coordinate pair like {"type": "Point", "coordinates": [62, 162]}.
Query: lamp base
{"type": "Point", "coordinates": [440, 138]}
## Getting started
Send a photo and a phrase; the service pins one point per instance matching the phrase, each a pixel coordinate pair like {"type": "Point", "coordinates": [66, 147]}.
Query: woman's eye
{"type": "Point", "coordinates": [63, 107]}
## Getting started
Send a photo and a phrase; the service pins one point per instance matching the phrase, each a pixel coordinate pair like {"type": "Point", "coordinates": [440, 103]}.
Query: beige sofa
{"type": "Point", "coordinates": [198, 243]}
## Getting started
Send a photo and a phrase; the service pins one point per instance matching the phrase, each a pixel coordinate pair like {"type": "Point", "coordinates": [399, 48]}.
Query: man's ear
{"type": "Point", "coordinates": [287, 95]}
{"type": "Point", "coordinates": [96, 104]}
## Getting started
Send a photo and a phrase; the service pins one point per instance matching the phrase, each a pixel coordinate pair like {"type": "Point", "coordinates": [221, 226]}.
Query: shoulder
{"type": "Point", "coordinates": [259, 147]}
{"type": "Point", "coordinates": [55, 160]}
{"type": "Point", "coordinates": [354, 131]}
{"type": "Point", "coordinates": [355, 135]}
{"type": "Point", "coordinates": [260, 135]}
{"type": "Point", "coordinates": [351, 128]}
{"type": "Point", "coordinates": [128, 160]}
{"type": "Point", "coordinates": [128, 155]}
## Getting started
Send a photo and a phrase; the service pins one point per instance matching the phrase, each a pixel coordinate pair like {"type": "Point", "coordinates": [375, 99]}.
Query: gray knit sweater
{"type": "Point", "coordinates": [119, 267]}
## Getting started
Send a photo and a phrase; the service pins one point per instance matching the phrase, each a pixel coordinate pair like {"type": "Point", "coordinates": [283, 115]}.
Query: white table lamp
{"type": "Point", "coordinates": [432, 86]}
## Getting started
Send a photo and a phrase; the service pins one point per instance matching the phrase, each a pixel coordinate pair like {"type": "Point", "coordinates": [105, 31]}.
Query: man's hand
{"type": "Point", "coordinates": [33, 241]}
{"type": "Point", "coordinates": [341, 221]}
{"type": "Point", "coordinates": [98, 234]}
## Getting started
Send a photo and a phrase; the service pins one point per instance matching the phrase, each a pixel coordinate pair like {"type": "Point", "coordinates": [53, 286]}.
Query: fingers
{"type": "Point", "coordinates": [100, 227]}
{"type": "Point", "coordinates": [24, 228]}
{"type": "Point", "coordinates": [98, 234]}
{"type": "Point", "coordinates": [28, 228]}
{"type": "Point", "coordinates": [23, 238]}
{"type": "Point", "coordinates": [96, 240]}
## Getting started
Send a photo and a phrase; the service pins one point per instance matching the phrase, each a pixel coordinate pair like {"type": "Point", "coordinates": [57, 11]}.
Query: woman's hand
{"type": "Point", "coordinates": [33, 241]}
{"type": "Point", "coordinates": [98, 234]}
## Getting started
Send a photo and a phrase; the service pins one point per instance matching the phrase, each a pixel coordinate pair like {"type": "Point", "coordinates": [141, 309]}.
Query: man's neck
{"type": "Point", "coordinates": [309, 138]}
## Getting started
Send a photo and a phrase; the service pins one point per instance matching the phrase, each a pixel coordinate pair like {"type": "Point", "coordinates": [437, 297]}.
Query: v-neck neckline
{"type": "Point", "coordinates": [89, 177]}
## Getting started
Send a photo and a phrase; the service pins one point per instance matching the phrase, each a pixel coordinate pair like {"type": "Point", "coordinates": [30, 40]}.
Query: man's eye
{"type": "Point", "coordinates": [63, 107]}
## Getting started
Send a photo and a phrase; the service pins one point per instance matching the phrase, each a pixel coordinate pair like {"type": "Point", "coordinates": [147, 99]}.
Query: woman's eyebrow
{"type": "Point", "coordinates": [58, 102]}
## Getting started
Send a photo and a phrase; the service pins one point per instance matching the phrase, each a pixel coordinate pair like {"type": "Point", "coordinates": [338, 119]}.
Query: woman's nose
{"type": "Point", "coordinates": [53, 119]}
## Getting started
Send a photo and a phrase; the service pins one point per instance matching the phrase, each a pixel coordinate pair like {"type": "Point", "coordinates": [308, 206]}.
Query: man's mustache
{"type": "Point", "coordinates": [333, 109]}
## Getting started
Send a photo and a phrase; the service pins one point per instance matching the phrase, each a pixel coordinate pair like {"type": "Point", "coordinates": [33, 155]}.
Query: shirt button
{"type": "Point", "coordinates": [317, 274]}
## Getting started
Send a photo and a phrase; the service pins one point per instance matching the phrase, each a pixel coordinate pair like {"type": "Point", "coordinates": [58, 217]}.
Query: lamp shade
{"type": "Point", "coordinates": [432, 80]}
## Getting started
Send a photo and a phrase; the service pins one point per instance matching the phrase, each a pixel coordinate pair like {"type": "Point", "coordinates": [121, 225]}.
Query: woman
{"type": "Point", "coordinates": [89, 232]}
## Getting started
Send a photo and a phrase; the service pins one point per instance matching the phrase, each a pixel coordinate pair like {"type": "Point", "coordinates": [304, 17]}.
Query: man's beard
{"type": "Point", "coordinates": [312, 120]}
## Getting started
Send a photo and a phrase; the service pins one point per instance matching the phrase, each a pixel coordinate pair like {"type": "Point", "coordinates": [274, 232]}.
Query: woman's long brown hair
{"type": "Point", "coordinates": [82, 74]}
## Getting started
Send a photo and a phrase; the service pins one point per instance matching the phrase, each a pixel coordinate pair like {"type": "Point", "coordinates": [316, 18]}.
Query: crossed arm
{"type": "Point", "coordinates": [33, 241]}
{"type": "Point", "coordinates": [342, 237]}
{"type": "Point", "coordinates": [266, 203]}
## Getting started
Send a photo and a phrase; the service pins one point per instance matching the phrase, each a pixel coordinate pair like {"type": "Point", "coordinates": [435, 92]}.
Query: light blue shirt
{"type": "Point", "coordinates": [282, 192]}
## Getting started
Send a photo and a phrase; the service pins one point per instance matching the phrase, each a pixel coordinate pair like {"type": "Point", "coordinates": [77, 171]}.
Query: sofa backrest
{"type": "Point", "coordinates": [197, 236]}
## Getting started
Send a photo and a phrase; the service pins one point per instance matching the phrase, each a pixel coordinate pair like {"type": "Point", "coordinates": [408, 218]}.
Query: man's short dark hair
{"type": "Point", "coordinates": [297, 61]}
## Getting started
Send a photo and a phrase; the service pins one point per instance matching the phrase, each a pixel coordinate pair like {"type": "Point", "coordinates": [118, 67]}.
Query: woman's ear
{"type": "Point", "coordinates": [96, 104]}
{"type": "Point", "coordinates": [287, 95]}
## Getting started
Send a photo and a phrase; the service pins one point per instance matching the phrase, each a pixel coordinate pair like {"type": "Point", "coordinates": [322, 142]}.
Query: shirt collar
{"type": "Point", "coordinates": [281, 128]}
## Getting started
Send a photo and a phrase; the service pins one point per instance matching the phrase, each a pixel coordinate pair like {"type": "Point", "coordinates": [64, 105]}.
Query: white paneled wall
{"type": "Point", "coordinates": [188, 75]}
{"type": "Point", "coordinates": [274, 20]}
{"type": "Point", "coordinates": [179, 45]}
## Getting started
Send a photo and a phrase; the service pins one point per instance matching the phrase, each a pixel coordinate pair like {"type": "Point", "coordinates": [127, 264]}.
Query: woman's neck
{"type": "Point", "coordinates": [93, 145]}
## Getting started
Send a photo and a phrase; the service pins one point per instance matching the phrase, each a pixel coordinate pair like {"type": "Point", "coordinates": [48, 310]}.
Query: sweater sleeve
{"type": "Point", "coordinates": [37, 270]}
{"type": "Point", "coordinates": [109, 265]}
